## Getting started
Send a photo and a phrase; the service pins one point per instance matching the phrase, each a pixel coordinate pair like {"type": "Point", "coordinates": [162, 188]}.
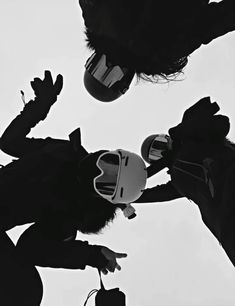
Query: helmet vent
{"type": "Point", "coordinates": [121, 192]}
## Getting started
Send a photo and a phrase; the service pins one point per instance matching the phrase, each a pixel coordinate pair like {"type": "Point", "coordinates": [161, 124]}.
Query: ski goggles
{"type": "Point", "coordinates": [111, 76]}
{"type": "Point", "coordinates": [160, 144]}
{"type": "Point", "coordinates": [105, 184]}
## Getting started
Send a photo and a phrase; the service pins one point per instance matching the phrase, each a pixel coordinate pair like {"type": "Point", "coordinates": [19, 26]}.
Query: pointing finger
{"type": "Point", "coordinates": [120, 255]}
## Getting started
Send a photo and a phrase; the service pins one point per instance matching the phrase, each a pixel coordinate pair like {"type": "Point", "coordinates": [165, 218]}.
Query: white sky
{"type": "Point", "coordinates": [173, 259]}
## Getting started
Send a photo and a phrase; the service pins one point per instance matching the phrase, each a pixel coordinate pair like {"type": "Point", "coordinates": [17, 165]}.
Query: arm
{"type": "Point", "coordinates": [51, 243]}
{"type": "Point", "coordinates": [55, 247]}
{"type": "Point", "coordinates": [212, 21]}
{"type": "Point", "coordinates": [159, 193]}
{"type": "Point", "coordinates": [219, 20]}
{"type": "Point", "coordinates": [14, 141]}
{"type": "Point", "coordinates": [157, 166]}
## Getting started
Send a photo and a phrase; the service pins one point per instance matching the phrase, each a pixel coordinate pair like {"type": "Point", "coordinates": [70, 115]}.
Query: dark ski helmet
{"type": "Point", "coordinates": [154, 145]}
{"type": "Point", "coordinates": [105, 81]}
{"type": "Point", "coordinates": [118, 176]}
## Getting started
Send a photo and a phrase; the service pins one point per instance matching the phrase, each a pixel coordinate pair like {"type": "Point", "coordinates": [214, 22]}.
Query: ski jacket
{"type": "Point", "coordinates": [186, 25]}
{"type": "Point", "coordinates": [40, 186]}
{"type": "Point", "coordinates": [198, 163]}
{"type": "Point", "coordinates": [202, 22]}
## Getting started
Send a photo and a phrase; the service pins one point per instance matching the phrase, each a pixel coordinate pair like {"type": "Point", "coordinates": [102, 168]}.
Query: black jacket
{"type": "Point", "coordinates": [204, 22]}
{"type": "Point", "coordinates": [40, 186]}
{"type": "Point", "coordinates": [198, 163]}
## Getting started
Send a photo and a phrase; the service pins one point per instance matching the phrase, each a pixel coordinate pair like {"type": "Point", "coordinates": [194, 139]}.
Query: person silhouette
{"type": "Point", "coordinates": [201, 163]}
{"type": "Point", "coordinates": [61, 189]}
{"type": "Point", "coordinates": [151, 39]}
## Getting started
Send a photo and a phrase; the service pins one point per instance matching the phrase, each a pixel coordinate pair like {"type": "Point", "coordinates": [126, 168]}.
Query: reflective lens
{"type": "Point", "coordinates": [111, 76]}
{"type": "Point", "coordinates": [159, 145]}
{"type": "Point", "coordinates": [106, 183]}
{"type": "Point", "coordinates": [103, 71]}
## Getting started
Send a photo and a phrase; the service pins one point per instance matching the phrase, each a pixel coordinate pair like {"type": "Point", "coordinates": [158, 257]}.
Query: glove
{"type": "Point", "coordinates": [203, 108]}
{"type": "Point", "coordinates": [45, 90]}
{"type": "Point", "coordinates": [103, 258]}
{"type": "Point", "coordinates": [111, 257]}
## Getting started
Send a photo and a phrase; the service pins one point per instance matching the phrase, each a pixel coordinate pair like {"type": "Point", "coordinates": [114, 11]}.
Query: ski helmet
{"type": "Point", "coordinates": [105, 81]}
{"type": "Point", "coordinates": [118, 176]}
{"type": "Point", "coordinates": [154, 145]}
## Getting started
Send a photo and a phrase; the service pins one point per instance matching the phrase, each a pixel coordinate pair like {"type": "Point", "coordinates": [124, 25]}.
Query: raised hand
{"type": "Point", "coordinates": [45, 89]}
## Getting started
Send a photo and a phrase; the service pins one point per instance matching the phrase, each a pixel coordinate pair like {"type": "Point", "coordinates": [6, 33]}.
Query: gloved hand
{"type": "Point", "coordinates": [111, 256]}
{"type": "Point", "coordinates": [45, 90]}
{"type": "Point", "coordinates": [202, 108]}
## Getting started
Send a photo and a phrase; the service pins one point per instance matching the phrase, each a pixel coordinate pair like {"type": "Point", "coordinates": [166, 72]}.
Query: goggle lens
{"type": "Point", "coordinates": [106, 182]}
{"type": "Point", "coordinates": [157, 147]}
{"type": "Point", "coordinates": [103, 71]}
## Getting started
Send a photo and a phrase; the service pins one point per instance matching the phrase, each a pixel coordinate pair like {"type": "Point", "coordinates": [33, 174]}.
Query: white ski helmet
{"type": "Point", "coordinates": [154, 145]}
{"type": "Point", "coordinates": [123, 176]}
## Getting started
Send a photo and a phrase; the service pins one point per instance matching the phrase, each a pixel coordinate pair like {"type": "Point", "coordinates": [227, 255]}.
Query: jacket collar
{"type": "Point", "coordinates": [75, 139]}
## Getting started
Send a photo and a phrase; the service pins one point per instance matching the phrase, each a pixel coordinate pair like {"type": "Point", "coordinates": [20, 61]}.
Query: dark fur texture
{"type": "Point", "coordinates": [153, 37]}
{"type": "Point", "coordinates": [94, 215]}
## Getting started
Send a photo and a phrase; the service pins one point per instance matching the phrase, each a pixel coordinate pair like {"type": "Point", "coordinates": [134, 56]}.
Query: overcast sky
{"type": "Point", "coordinates": [173, 259]}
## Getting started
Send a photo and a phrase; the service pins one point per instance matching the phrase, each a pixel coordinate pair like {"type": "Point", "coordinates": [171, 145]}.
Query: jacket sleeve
{"type": "Point", "coordinates": [54, 245]}
{"type": "Point", "coordinates": [14, 141]}
{"type": "Point", "coordinates": [156, 167]}
{"type": "Point", "coordinates": [214, 20]}
{"type": "Point", "coordinates": [219, 20]}
{"type": "Point", "coordinates": [159, 193]}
